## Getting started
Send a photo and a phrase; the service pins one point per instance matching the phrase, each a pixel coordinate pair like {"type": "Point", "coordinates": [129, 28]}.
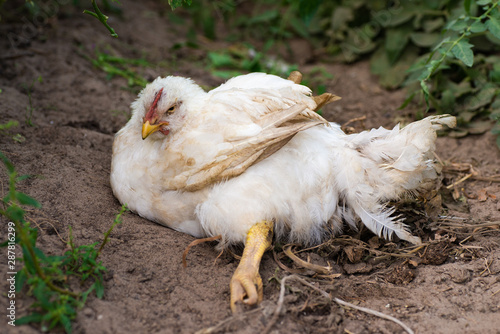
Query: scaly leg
{"type": "Point", "coordinates": [246, 280]}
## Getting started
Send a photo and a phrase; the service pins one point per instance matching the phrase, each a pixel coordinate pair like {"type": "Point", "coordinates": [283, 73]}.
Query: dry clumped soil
{"type": "Point", "coordinates": [451, 285]}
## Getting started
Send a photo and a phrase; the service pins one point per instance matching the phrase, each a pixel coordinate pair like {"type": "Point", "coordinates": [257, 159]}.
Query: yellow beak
{"type": "Point", "coordinates": [148, 129]}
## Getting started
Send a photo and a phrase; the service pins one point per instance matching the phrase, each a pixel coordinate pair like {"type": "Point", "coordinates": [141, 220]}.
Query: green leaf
{"type": "Point", "coordinates": [392, 75]}
{"type": "Point", "coordinates": [458, 133]}
{"type": "Point", "coordinates": [40, 254]}
{"type": "Point", "coordinates": [490, 37]}
{"type": "Point", "coordinates": [478, 26]}
{"type": "Point", "coordinates": [15, 213]}
{"type": "Point", "coordinates": [177, 3]}
{"type": "Point", "coordinates": [66, 322]}
{"type": "Point", "coordinates": [307, 9]}
{"type": "Point", "coordinates": [99, 289]}
{"type": "Point", "coordinates": [424, 40]}
{"type": "Point", "coordinates": [493, 25]}
{"type": "Point", "coordinates": [265, 17]}
{"type": "Point", "coordinates": [496, 129]}
{"type": "Point", "coordinates": [20, 279]}
{"type": "Point", "coordinates": [483, 2]}
{"type": "Point", "coordinates": [208, 24]}
{"type": "Point", "coordinates": [447, 101]}
{"type": "Point", "coordinates": [8, 125]}
{"type": "Point", "coordinates": [425, 89]}
{"type": "Point", "coordinates": [434, 24]}
{"type": "Point", "coordinates": [23, 177]}
{"type": "Point", "coordinates": [34, 317]}
{"type": "Point", "coordinates": [27, 200]}
{"type": "Point", "coordinates": [464, 87]}
{"type": "Point", "coordinates": [479, 127]}
{"type": "Point", "coordinates": [483, 98]}
{"type": "Point", "coordinates": [434, 65]}
{"type": "Point", "coordinates": [341, 17]}
{"type": "Point", "coordinates": [495, 73]}
{"type": "Point", "coordinates": [407, 101]}
{"type": "Point", "coordinates": [467, 6]}
{"type": "Point", "coordinates": [85, 294]}
{"type": "Point", "coordinates": [395, 42]}
{"type": "Point", "coordinates": [463, 52]}
{"type": "Point", "coordinates": [28, 260]}
{"type": "Point", "coordinates": [457, 25]}
{"type": "Point", "coordinates": [41, 293]}
{"type": "Point", "coordinates": [397, 20]}
{"type": "Point", "coordinates": [358, 43]}
{"type": "Point", "coordinates": [220, 59]}
{"type": "Point", "coordinates": [299, 27]}
{"type": "Point", "coordinates": [7, 163]}
{"type": "Point", "coordinates": [444, 41]}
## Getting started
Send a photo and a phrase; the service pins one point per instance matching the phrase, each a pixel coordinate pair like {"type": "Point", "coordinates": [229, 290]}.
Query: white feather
{"type": "Point", "coordinates": [320, 178]}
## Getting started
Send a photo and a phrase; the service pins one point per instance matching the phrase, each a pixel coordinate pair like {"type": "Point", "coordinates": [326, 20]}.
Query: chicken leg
{"type": "Point", "coordinates": [246, 281]}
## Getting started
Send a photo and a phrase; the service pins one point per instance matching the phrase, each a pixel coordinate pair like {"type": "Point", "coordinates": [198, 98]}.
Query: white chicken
{"type": "Point", "coordinates": [252, 158]}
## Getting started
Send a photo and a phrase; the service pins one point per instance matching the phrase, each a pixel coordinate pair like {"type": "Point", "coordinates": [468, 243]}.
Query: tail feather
{"type": "Point", "coordinates": [393, 163]}
{"type": "Point", "coordinates": [384, 225]}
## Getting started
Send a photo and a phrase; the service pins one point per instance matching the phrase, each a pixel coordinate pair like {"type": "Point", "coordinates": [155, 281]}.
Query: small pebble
{"type": "Point", "coordinates": [88, 312]}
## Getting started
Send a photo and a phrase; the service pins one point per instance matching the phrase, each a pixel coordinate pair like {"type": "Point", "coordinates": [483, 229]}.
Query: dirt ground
{"type": "Point", "coordinates": [452, 285]}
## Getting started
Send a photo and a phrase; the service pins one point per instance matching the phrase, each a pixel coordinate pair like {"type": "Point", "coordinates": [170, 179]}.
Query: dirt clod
{"type": "Point", "coordinates": [400, 274]}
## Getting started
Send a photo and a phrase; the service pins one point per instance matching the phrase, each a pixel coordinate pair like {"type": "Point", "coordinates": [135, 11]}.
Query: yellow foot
{"type": "Point", "coordinates": [246, 281]}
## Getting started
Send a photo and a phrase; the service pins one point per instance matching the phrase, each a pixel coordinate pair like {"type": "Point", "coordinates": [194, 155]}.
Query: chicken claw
{"type": "Point", "coordinates": [246, 281]}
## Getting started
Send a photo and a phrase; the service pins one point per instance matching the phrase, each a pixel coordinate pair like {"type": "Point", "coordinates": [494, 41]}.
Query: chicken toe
{"type": "Point", "coordinates": [246, 283]}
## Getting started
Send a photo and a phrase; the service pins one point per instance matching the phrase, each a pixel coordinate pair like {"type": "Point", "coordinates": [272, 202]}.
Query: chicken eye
{"type": "Point", "coordinates": [171, 109]}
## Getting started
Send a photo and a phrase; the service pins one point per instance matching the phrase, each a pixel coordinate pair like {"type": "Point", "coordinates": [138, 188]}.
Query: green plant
{"type": "Point", "coordinates": [123, 67]}
{"type": "Point", "coordinates": [29, 108]}
{"type": "Point", "coordinates": [243, 58]}
{"type": "Point", "coordinates": [177, 3]}
{"type": "Point", "coordinates": [49, 278]}
{"type": "Point", "coordinates": [98, 14]}
{"type": "Point", "coordinates": [8, 125]}
{"type": "Point", "coordinates": [454, 80]}
{"type": "Point", "coordinates": [101, 17]}
{"type": "Point", "coordinates": [5, 130]}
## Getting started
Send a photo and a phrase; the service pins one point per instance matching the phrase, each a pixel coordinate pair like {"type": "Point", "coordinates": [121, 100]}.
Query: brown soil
{"type": "Point", "coordinates": [451, 286]}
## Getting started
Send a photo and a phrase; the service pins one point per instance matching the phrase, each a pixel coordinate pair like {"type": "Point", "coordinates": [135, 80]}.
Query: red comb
{"type": "Point", "coordinates": [152, 110]}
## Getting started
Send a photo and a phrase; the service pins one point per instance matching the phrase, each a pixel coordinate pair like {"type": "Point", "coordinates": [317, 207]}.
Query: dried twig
{"type": "Point", "coordinates": [281, 299]}
{"type": "Point", "coordinates": [194, 243]}
{"type": "Point", "coordinates": [472, 225]}
{"type": "Point", "coordinates": [438, 158]}
{"type": "Point", "coordinates": [457, 168]}
{"type": "Point", "coordinates": [487, 265]}
{"type": "Point", "coordinates": [454, 184]}
{"type": "Point", "coordinates": [44, 221]}
{"type": "Point", "coordinates": [375, 313]}
{"type": "Point", "coordinates": [314, 267]}
{"type": "Point", "coordinates": [220, 325]}
{"type": "Point", "coordinates": [493, 178]}
{"type": "Point", "coordinates": [284, 267]}
{"type": "Point", "coordinates": [279, 306]}
{"type": "Point", "coordinates": [362, 118]}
